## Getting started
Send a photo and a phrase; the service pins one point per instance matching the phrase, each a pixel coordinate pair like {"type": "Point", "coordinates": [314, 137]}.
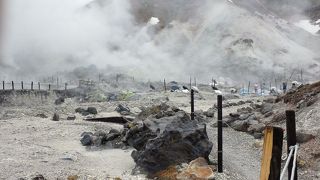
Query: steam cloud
{"type": "Point", "coordinates": [198, 38]}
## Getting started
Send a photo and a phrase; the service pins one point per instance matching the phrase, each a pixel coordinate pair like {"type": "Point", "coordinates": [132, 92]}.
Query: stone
{"type": "Point", "coordinates": [175, 140]}
{"type": "Point", "coordinates": [234, 115]}
{"type": "Point", "coordinates": [268, 114]}
{"type": "Point", "coordinates": [56, 117]}
{"type": "Point", "coordinates": [42, 116]}
{"type": "Point", "coordinates": [123, 110]}
{"type": "Point", "coordinates": [257, 135]}
{"type": "Point", "coordinates": [269, 100]}
{"type": "Point", "coordinates": [92, 110]}
{"type": "Point", "coordinates": [241, 103]}
{"type": "Point", "coordinates": [87, 140]}
{"type": "Point", "coordinates": [71, 117]}
{"type": "Point", "coordinates": [197, 169]}
{"type": "Point", "coordinates": [59, 101]}
{"type": "Point", "coordinates": [80, 110]}
{"type": "Point", "coordinates": [39, 177]}
{"type": "Point", "coordinates": [303, 137]}
{"type": "Point", "coordinates": [240, 125]}
{"type": "Point", "coordinates": [266, 107]}
{"type": "Point", "coordinates": [279, 117]}
{"type": "Point", "coordinates": [210, 112]}
{"type": "Point", "coordinates": [244, 116]}
{"type": "Point", "coordinates": [256, 128]}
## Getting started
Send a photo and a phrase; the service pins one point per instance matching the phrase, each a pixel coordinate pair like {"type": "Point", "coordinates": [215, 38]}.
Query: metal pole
{"type": "Point", "coordinates": [192, 104]}
{"type": "Point", "coordinates": [65, 86]}
{"type": "Point", "coordinates": [220, 151]}
{"type": "Point", "coordinates": [249, 87]}
{"type": "Point", "coordinates": [39, 86]}
{"type": "Point", "coordinates": [49, 87]}
{"type": "Point", "coordinates": [3, 84]}
{"type": "Point", "coordinates": [22, 85]}
{"type": "Point", "coordinates": [12, 84]}
{"type": "Point", "coordinates": [165, 85]}
{"type": "Point", "coordinates": [32, 85]}
{"type": "Point", "coordinates": [291, 138]}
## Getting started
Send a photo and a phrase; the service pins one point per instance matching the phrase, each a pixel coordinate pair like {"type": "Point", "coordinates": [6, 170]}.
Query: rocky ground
{"type": "Point", "coordinates": [33, 144]}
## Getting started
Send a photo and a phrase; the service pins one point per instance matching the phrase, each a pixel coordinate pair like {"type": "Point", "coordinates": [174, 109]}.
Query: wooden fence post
{"type": "Point", "coordinates": [192, 104]}
{"type": "Point", "coordinates": [272, 152]}
{"type": "Point", "coordinates": [220, 140]}
{"type": "Point", "coordinates": [291, 139]}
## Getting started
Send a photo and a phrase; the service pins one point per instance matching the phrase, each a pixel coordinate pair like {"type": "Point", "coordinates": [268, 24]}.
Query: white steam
{"type": "Point", "coordinates": [150, 39]}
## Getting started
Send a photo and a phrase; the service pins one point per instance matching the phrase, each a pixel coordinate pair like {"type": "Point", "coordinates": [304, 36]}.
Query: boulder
{"type": "Point", "coordinates": [178, 140]}
{"type": "Point", "coordinates": [279, 117]}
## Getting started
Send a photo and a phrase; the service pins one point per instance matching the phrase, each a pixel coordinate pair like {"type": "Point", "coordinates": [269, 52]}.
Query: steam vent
{"type": "Point", "coordinates": [160, 89]}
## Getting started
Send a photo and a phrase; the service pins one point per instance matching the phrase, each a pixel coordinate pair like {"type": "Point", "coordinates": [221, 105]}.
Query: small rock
{"type": "Point", "coordinates": [268, 114]}
{"type": "Point", "coordinates": [269, 100]}
{"type": "Point", "coordinates": [279, 117]}
{"type": "Point", "coordinates": [266, 107]}
{"type": "Point", "coordinates": [59, 101]}
{"type": "Point", "coordinates": [56, 117]}
{"type": "Point", "coordinates": [38, 177]}
{"type": "Point", "coordinates": [257, 135]}
{"type": "Point", "coordinates": [71, 117]}
{"type": "Point", "coordinates": [256, 128]}
{"type": "Point", "coordinates": [241, 103]}
{"type": "Point", "coordinates": [86, 140]}
{"type": "Point", "coordinates": [240, 125]}
{"type": "Point", "coordinates": [92, 110]}
{"type": "Point", "coordinates": [258, 144]}
{"type": "Point", "coordinates": [123, 110]}
{"type": "Point", "coordinates": [210, 112]}
{"type": "Point", "coordinates": [42, 116]}
{"type": "Point", "coordinates": [303, 137]}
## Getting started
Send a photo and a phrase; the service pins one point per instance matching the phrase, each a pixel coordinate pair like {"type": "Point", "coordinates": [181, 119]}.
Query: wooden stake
{"type": "Point", "coordinates": [291, 138]}
{"type": "Point", "coordinates": [272, 152]}
{"type": "Point", "coordinates": [192, 104]}
{"type": "Point", "coordinates": [220, 142]}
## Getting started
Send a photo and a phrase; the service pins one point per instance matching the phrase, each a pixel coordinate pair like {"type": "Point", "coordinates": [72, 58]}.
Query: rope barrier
{"type": "Point", "coordinates": [295, 149]}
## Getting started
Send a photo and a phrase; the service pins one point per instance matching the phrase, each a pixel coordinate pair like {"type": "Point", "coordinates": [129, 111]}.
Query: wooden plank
{"type": "Point", "coordinates": [272, 152]}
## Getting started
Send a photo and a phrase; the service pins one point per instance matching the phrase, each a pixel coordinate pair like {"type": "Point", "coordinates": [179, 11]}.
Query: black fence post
{"type": "Point", "coordinates": [49, 87]}
{"type": "Point", "coordinates": [220, 142]}
{"type": "Point", "coordinates": [65, 86]}
{"type": "Point", "coordinates": [291, 139]}
{"type": "Point", "coordinates": [39, 86]}
{"type": "Point", "coordinates": [22, 85]}
{"type": "Point", "coordinates": [12, 84]}
{"type": "Point", "coordinates": [165, 85]}
{"type": "Point", "coordinates": [3, 84]}
{"type": "Point", "coordinates": [32, 85]}
{"type": "Point", "coordinates": [192, 104]}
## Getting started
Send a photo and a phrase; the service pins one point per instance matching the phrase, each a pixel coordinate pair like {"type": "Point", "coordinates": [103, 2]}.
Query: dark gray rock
{"type": "Point", "coordinates": [266, 108]}
{"type": "Point", "coordinates": [178, 140]}
{"type": "Point", "coordinates": [92, 110]}
{"type": "Point", "coordinates": [241, 103]}
{"type": "Point", "coordinates": [39, 177]}
{"type": "Point", "coordinates": [240, 126]}
{"type": "Point", "coordinates": [269, 100]}
{"type": "Point", "coordinates": [256, 128]}
{"type": "Point", "coordinates": [123, 110]}
{"type": "Point", "coordinates": [257, 135]}
{"type": "Point", "coordinates": [56, 117]}
{"type": "Point", "coordinates": [59, 101]}
{"type": "Point", "coordinates": [71, 117]}
{"type": "Point", "coordinates": [245, 116]}
{"type": "Point", "coordinates": [87, 140]}
{"type": "Point", "coordinates": [210, 112]}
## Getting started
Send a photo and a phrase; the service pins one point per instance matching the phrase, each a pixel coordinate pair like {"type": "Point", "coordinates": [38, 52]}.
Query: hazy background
{"type": "Point", "coordinates": [237, 40]}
